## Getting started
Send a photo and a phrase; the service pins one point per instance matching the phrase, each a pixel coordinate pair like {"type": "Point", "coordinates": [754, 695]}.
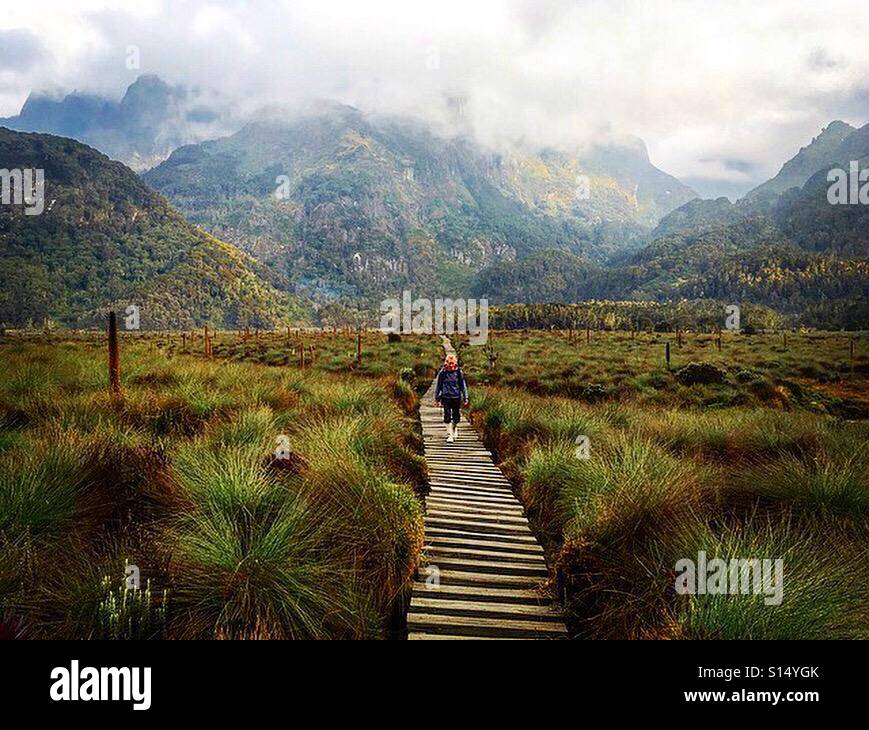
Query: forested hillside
{"type": "Point", "coordinates": [105, 238]}
{"type": "Point", "coordinates": [362, 206]}
{"type": "Point", "coordinates": [792, 251]}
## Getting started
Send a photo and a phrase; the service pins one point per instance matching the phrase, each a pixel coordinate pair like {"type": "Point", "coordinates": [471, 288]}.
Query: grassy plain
{"type": "Point", "coordinates": [759, 449]}
{"type": "Point", "coordinates": [256, 501]}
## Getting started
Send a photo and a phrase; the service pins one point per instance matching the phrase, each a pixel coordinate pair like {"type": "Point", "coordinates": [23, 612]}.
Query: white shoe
{"type": "Point", "coordinates": [455, 431]}
{"type": "Point", "coordinates": [450, 433]}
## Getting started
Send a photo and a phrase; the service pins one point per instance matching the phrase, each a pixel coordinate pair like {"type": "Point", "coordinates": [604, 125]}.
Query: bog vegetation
{"type": "Point", "coordinates": [741, 446]}
{"type": "Point", "coordinates": [759, 449]}
{"type": "Point", "coordinates": [236, 534]}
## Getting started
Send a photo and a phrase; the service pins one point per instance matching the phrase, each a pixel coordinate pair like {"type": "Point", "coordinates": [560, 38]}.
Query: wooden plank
{"type": "Point", "coordinates": [439, 490]}
{"type": "Point", "coordinates": [470, 498]}
{"type": "Point", "coordinates": [526, 549]}
{"type": "Point", "coordinates": [457, 476]}
{"type": "Point", "coordinates": [489, 609]}
{"type": "Point", "coordinates": [501, 520]}
{"type": "Point", "coordinates": [437, 501]}
{"type": "Point", "coordinates": [490, 567]}
{"type": "Point", "coordinates": [433, 552]}
{"type": "Point", "coordinates": [485, 496]}
{"type": "Point", "coordinates": [422, 635]}
{"type": "Point", "coordinates": [471, 508]}
{"type": "Point", "coordinates": [495, 491]}
{"type": "Point", "coordinates": [525, 596]}
{"type": "Point", "coordinates": [494, 525]}
{"type": "Point", "coordinates": [516, 538]}
{"type": "Point", "coordinates": [468, 526]}
{"type": "Point", "coordinates": [488, 580]}
{"type": "Point", "coordinates": [484, 626]}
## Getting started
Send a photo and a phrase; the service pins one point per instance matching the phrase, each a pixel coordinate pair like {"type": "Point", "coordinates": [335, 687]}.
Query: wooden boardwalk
{"type": "Point", "coordinates": [482, 567]}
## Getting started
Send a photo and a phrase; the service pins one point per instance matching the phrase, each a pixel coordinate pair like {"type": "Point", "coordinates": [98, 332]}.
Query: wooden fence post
{"type": "Point", "coordinates": [114, 355]}
{"type": "Point", "coordinates": [302, 354]}
{"type": "Point", "coordinates": [359, 348]}
{"type": "Point", "coordinates": [668, 354]}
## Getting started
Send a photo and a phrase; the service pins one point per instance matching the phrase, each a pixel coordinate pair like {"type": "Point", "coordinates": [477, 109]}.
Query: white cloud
{"type": "Point", "coordinates": [701, 82]}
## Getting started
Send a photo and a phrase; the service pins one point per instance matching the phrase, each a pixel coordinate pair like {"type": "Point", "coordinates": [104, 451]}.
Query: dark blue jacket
{"type": "Point", "coordinates": [451, 384]}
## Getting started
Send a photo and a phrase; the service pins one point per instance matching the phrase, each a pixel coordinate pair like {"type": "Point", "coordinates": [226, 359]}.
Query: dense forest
{"type": "Point", "coordinates": [363, 210]}
{"type": "Point", "coordinates": [106, 239]}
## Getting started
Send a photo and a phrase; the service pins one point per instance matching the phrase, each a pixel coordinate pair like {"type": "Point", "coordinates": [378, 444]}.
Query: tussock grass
{"type": "Point", "coordinates": [629, 486]}
{"type": "Point", "coordinates": [747, 475]}
{"type": "Point", "coordinates": [275, 574]}
{"type": "Point", "coordinates": [823, 484]}
{"type": "Point", "coordinates": [40, 487]}
{"type": "Point", "coordinates": [179, 476]}
{"type": "Point", "coordinates": [825, 587]}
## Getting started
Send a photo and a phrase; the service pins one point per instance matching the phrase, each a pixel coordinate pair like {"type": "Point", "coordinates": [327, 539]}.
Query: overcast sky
{"type": "Point", "coordinates": [721, 91]}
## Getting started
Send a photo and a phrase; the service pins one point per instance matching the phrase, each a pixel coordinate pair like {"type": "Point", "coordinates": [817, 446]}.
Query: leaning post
{"type": "Point", "coordinates": [114, 355]}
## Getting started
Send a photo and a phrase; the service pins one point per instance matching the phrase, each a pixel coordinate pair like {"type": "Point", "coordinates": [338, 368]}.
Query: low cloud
{"type": "Point", "coordinates": [701, 82]}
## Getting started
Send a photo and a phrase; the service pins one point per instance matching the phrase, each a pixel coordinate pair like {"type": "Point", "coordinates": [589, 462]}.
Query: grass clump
{"type": "Point", "coordinates": [824, 589]}
{"type": "Point", "coordinates": [180, 475]}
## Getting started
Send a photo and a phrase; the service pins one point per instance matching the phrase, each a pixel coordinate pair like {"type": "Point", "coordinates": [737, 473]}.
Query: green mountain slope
{"type": "Point", "coordinates": [837, 145]}
{"type": "Point", "coordinates": [823, 151]}
{"type": "Point", "coordinates": [105, 238]}
{"type": "Point", "coordinates": [755, 260]}
{"type": "Point", "coordinates": [364, 206]}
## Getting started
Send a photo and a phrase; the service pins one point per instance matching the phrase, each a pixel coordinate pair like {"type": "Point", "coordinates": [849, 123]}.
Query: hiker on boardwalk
{"type": "Point", "coordinates": [451, 392]}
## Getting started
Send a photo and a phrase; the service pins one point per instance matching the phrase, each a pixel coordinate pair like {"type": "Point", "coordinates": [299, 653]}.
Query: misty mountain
{"type": "Point", "coordinates": [793, 251]}
{"type": "Point", "coordinates": [151, 119]}
{"type": "Point", "coordinates": [836, 145]}
{"type": "Point", "coordinates": [104, 238]}
{"type": "Point", "coordinates": [823, 151]}
{"type": "Point", "coordinates": [339, 203]}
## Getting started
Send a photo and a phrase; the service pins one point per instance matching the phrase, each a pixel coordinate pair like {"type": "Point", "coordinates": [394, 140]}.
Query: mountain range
{"type": "Point", "coordinates": [783, 245]}
{"type": "Point", "coordinates": [141, 129]}
{"type": "Point", "coordinates": [331, 205]}
{"type": "Point", "coordinates": [340, 204]}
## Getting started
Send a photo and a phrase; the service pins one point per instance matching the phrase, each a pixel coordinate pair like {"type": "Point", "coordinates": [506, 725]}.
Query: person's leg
{"type": "Point", "coordinates": [447, 418]}
{"type": "Point", "coordinates": [455, 416]}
